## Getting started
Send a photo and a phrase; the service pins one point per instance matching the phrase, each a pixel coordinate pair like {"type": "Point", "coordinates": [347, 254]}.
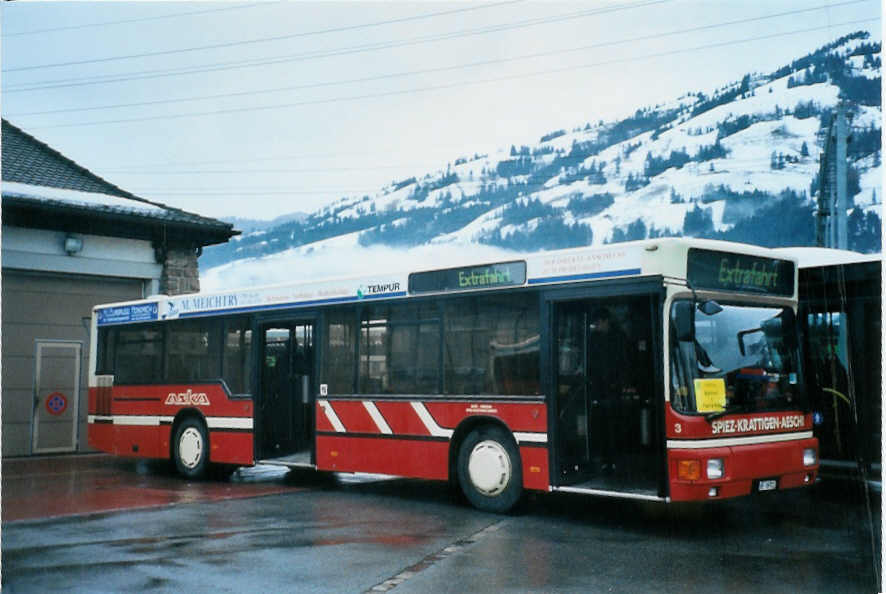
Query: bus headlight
{"type": "Point", "coordinates": [715, 468]}
{"type": "Point", "coordinates": [809, 457]}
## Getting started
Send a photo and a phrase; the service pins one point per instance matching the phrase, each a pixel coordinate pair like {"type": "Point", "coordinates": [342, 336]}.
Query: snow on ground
{"type": "Point", "coordinates": [868, 116]}
{"type": "Point", "coordinates": [762, 102]}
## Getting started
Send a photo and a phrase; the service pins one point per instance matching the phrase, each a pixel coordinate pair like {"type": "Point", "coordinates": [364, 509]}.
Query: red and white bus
{"type": "Point", "coordinates": [665, 370]}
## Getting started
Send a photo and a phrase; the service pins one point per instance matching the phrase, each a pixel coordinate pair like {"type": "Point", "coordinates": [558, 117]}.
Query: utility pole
{"type": "Point", "coordinates": [833, 202]}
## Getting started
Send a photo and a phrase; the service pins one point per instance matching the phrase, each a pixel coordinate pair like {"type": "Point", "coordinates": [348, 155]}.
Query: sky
{"type": "Point", "coordinates": [263, 109]}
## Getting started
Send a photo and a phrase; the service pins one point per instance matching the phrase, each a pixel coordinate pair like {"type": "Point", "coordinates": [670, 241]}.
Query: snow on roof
{"type": "Point", "coordinates": [87, 199]}
{"type": "Point", "coordinates": [20, 193]}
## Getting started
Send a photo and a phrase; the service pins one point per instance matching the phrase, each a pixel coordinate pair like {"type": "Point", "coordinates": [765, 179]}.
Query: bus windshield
{"type": "Point", "coordinates": [738, 359]}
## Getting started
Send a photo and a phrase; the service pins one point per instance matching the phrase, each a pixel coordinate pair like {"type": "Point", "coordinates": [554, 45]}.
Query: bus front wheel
{"type": "Point", "coordinates": [191, 448]}
{"type": "Point", "coordinates": [489, 469]}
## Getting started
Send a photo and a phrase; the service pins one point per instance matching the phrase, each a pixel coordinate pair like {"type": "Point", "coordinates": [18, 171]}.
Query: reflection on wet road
{"type": "Point", "coordinates": [340, 533]}
{"type": "Point", "coordinates": [71, 485]}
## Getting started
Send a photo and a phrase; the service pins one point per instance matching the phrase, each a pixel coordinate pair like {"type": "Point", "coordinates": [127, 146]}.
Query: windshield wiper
{"type": "Point", "coordinates": [729, 410]}
{"type": "Point", "coordinates": [703, 360]}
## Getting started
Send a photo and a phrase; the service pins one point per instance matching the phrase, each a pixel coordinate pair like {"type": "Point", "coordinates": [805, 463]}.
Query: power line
{"type": "Point", "coordinates": [440, 69]}
{"type": "Point", "coordinates": [138, 20]}
{"type": "Point", "coordinates": [260, 39]}
{"type": "Point", "coordinates": [241, 171]}
{"type": "Point", "coordinates": [250, 192]}
{"type": "Point", "coordinates": [335, 155]}
{"type": "Point", "coordinates": [453, 85]}
{"type": "Point", "coordinates": [319, 54]}
{"type": "Point", "coordinates": [277, 192]}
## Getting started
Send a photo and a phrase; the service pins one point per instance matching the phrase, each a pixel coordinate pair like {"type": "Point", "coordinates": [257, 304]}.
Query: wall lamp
{"type": "Point", "coordinates": [73, 245]}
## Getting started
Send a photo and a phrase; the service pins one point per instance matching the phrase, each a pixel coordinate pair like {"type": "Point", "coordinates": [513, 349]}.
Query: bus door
{"type": "Point", "coordinates": [284, 415]}
{"type": "Point", "coordinates": [607, 434]}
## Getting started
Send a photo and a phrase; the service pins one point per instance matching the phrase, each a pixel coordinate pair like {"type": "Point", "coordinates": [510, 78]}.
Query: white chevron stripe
{"type": "Point", "coordinates": [429, 422]}
{"type": "Point", "coordinates": [330, 414]}
{"type": "Point", "coordinates": [377, 418]}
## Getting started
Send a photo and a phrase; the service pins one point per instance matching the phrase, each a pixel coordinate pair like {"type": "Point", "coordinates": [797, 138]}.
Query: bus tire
{"type": "Point", "coordinates": [489, 469]}
{"type": "Point", "coordinates": [191, 448]}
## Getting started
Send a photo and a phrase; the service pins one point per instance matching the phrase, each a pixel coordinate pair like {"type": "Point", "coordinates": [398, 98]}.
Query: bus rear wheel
{"type": "Point", "coordinates": [489, 469]}
{"type": "Point", "coordinates": [191, 449]}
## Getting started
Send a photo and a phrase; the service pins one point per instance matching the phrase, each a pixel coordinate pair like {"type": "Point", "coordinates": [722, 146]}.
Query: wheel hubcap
{"type": "Point", "coordinates": [190, 447]}
{"type": "Point", "coordinates": [489, 467]}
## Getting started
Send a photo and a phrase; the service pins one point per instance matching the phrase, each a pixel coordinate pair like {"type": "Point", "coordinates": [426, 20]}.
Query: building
{"type": "Point", "coordinates": [71, 240]}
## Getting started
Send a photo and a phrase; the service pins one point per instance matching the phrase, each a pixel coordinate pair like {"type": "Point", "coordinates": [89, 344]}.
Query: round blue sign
{"type": "Point", "coordinates": [56, 403]}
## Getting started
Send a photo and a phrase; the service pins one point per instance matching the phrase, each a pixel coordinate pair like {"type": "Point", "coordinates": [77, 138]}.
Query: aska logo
{"type": "Point", "coordinates": [188, 398]}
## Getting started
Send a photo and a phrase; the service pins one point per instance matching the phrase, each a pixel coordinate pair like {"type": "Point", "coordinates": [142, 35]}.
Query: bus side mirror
{"type": "Point", "coordinates": [682, 316]}
{"type": "Point", "coordinates": [742, 336]}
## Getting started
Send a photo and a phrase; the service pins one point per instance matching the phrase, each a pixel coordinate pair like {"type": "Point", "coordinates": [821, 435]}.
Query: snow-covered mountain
{"type": "Point", "coordinates": [740, 163]}
{"type": "Point", "coordinates": [247, 226]}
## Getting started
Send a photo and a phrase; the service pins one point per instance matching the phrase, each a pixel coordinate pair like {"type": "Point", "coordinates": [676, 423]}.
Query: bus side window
{"type": "Point", "coordinates": [339, 351]}
{"type": "Point", "coordinates": [105, 351]}
{"type": "Point", "coordinates": [138, 356]}
{"type": "Point", "coordinates": [491, 345]}
{"type": "Point", "coordinates": [237, 360]}
{"type": "Point", "coordinates": [193, 352]}
{"type": "Point", "coordinates": [399, 349]}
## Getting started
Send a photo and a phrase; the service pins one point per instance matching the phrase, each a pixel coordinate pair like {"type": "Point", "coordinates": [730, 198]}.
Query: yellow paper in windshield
{"type": "Point", "coordinates": [710, 394]}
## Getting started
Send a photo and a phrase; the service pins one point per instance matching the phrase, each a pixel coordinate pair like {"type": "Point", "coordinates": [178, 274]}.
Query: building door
{"type": "Point", "coordinates": [56, 396]}
{"type": "Point", "coordinates": [605, 390]}
{"type": "Point", "coordinates": [286, 396]}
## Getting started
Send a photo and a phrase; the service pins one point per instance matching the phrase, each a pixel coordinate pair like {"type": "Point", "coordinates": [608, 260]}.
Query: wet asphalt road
{"type": "Point", "coordinates": [328, 534]}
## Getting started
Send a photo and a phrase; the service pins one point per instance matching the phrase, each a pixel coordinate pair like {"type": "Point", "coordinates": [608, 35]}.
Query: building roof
{"type": "Point", "coordinates": [44, 189]}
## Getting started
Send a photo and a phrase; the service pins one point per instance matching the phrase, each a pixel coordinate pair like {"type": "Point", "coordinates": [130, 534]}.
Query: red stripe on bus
{"type": "Point", "coordinates": [401, 457]}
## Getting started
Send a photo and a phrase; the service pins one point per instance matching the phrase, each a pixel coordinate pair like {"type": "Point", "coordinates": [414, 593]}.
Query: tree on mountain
{"type": "Point", "coordinates": [635, 183]}
{"type": "Point", "coordinates": [633, 232]}
{"type": "Point", "coordinates": [864, 231]}
{"type": "Point", "coordinates": [675, 197]}
{"type": "Point", "coordinates": [698, 222]}
{"type": "Point", "coordinates": [710, 152]}
{"type": "Point", "coordinates": [745, 84]}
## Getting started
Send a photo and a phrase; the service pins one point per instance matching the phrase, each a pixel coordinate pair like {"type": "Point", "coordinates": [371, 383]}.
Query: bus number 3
{"type": "Point", "coordinates": [677, 428]}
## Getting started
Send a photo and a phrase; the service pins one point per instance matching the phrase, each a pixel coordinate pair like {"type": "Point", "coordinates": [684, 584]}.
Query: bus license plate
{"type": "Point", "coordinates": [767, 485]}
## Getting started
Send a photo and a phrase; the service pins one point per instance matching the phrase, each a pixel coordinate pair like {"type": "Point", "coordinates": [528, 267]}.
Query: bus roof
{"type": "Point", "coordinates": [810, 257]}
{"type": "Point", "coordinates": [665, 257]}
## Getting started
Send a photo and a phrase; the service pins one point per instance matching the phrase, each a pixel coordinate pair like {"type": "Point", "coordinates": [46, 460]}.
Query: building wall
{"type": "Point", "coordinates": [42, 250]}
{"type": "Point", "coordinates": [180, 272]}
{"type": "Point", "coordinates": [36, 306]}
{"type": "Point", "coordinates": [48, 295]}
